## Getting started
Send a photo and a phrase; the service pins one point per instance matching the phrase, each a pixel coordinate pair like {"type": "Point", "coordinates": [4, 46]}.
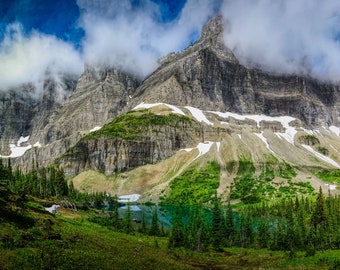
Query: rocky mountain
{"type": "Point", "coordinates": [208, 76]}
{"type": "Point", "coordinates": [116, 134]}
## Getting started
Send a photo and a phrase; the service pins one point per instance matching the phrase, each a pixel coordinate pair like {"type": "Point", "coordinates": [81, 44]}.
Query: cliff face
{"type": "Point", "coordinates": [99, 96]}
{"type": "Point", "coordinates": [129, 143]}
{"type": "Point", "coordinates": [26, 109]}
{"type": "Point", "coordinates": [208, 76]}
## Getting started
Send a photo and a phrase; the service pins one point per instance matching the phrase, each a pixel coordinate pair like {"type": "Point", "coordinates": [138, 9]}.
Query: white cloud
{"type": "Point", "coordinates": [121, 35]}
{"type": "Point", "coordinates": [117, 34]}
{"type": "Point", "coordinates": [286, 35]}
{"type": "Point", "coordinates": [28, 58]}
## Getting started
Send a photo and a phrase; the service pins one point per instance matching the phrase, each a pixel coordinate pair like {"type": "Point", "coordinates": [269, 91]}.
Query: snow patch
{"type": "Point", "coordinates": [18, 150]}
{"type": "Point", "coordinates": [320, 156]}
{"type": "Point", "coordinates": [37, 144]}
{"type": "Point", "coordinates": [284, 120]}
{"type": "Point", "coordinates": [187, 149]}
{"type": "Point", "coordinates": [335, 129]}
{"type": "Point", "coordinates": [22, 140]}
{"type": "Point", "coordinates": [331, 186]}
{"type": "Point", "coordinates": [308, 131]}
{"type": "Point", "coordinates": [218, 144]}
{"type": "Point", "coordinates": [333, 148]}
{"type": "Point", "coordinates": [128, 198]}
{"type": "Point", "coordinates": [151, 105]}
{"type": "Point", "coordinates": [199, 115]}
{"type": "Point", "coordinates": [175, 109]}
{"type": "Point", "coordinates": [264, 139]}
{"type": "Point", "coordinates": [53, 209]}
{"type": "Point", "coordinates": [203, 148]}
{"type": "Point", "coordinates": [288, 135]}
{"type": "Point", "coordinates": [95, 128]}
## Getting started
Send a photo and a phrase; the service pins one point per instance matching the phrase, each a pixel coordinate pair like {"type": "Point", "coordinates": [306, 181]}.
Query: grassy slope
{"type": "Point", "coordinates": [33, 239]}
{"type": "Point", "coordinates": [153, 180]}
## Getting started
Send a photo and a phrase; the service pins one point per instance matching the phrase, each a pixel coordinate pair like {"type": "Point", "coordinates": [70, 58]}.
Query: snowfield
{"type": "Point", "coordinates": [203, 148]}
{"type": "Point", "coordinates": [128, 198]}
{"type": "Point", "coordinates": [264, 139]}
{"type": "Point", "coordinates": [151, 105]}
{"type": "Point", "coordinates": [18, 150]}
{"type": "Point", "coordinates": [320, 156]}
{"type": "Point", "coordinates": [199, 115]}
{"type": "Point", "coordinates": [95, 129]}
{"type": "Point", "coordinates": [285, 121]}
{"type": "Point", "coordinates": [335, 129]}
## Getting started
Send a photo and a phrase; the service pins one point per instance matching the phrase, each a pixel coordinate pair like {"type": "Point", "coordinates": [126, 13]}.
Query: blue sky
{"type": "Point", "coordinates": [60, 17]}
{"type": "Point", "coordinates": [39, 37]}
{"type": "Point", "coordinates": [59, 36]}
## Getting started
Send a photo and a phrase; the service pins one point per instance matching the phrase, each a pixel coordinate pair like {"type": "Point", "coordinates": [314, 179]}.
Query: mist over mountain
{"type": "Point", "coordinates": [144, 95]}
{"type": "Point", "coordinates": [282, 37]}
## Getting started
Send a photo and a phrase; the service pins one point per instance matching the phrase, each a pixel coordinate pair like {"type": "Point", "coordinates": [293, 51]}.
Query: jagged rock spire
{"type": "Point", "coordinates": [213, 28]}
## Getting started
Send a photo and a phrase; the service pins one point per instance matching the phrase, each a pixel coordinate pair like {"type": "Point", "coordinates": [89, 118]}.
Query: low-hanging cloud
{"type": "Point", "coordinates": [286, 36]}
{"type": "Point", "coordinates": [133, 38]}
{"type": "Point", "coordinates": [129, 35]}
{"type": "Point", "coordinates": [30, 58]}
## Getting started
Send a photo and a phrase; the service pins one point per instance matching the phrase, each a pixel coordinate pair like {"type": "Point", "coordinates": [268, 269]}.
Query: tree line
{"type": "Point", "coordinates": [299, 224]}
{"type": "Point", "coordinates": [45, 182]}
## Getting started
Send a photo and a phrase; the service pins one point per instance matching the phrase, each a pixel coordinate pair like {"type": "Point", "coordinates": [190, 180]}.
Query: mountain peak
{"type": "Point", "coordinates": [213, 28]}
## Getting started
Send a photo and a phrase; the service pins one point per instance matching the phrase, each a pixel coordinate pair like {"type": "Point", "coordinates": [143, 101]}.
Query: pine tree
{"type": "Point", "coordinates": [217, 225]}
{"type": "Point", "coordinates": [263, 234]}
{"type": "Point", "coordinates": [176, 238]}
{"type": "Point", "coordinates": [60, 183]}
{"type": "Point", "coordinates": [229, 225]}
{"type": "Point", "coordinates": [116, 222]}
{"type": "Point", "coordinates": [320, 215]}
{"type": "Point", "coordinates": [128, 228]}
{"type": "Point", "coordinates": [154, 229]}
{"type": "Point", "coordinates": [143, 227]}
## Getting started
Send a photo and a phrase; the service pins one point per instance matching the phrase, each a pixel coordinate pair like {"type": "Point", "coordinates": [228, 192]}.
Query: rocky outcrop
{"type": "Point", "coordinates": [26, 109]}
{"type": "Point", "coordinates": [113, 155]}
{"type": "Point", "coordinates": [99, 96]}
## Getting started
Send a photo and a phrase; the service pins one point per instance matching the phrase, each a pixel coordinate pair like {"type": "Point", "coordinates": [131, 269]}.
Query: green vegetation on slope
{"type": "Point", "coordinates": [331, 176]}
{"type": "Point", "coordinates": [34, 239]}
{"type": "Point", "coordinates": [133, 124]}
{"type": "Point", "coordinates": [253, 188]}
{"type": "Point", "coordinates": [309, 139]}
{"type": "Point", "coordinates": [291, 233]}
{"type": "Point", "coordinates": [194, 186]}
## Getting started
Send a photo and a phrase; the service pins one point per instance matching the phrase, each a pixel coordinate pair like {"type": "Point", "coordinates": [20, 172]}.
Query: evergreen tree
{"type": "Point", "coordinates": [154, 229]}
{"type": "Point", "coordinates": [43, 190]}
{"type": "Point", "coordinates": [320, 215]}
{"type": "Point", "coordinates": [60, 183]}
{"type": "Point", "coordinates": [263, 234]}
{"type": "Point", "coordinates": [116, 222]}
{"type": "Point", "coordinates": [143, 227]}
{"type": "Point", "coordinates": [176, 238]}
{"type": "Point", "coordinates": [229, 225]}
{"type": "Point", "coordinates": [128, 228]}
{"type": "Point", "coordinates": [217, 225]}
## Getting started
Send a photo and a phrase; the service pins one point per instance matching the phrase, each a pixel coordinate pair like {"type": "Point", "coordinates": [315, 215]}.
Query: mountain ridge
{"type": "Point", "coordinates": [241, 107]}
